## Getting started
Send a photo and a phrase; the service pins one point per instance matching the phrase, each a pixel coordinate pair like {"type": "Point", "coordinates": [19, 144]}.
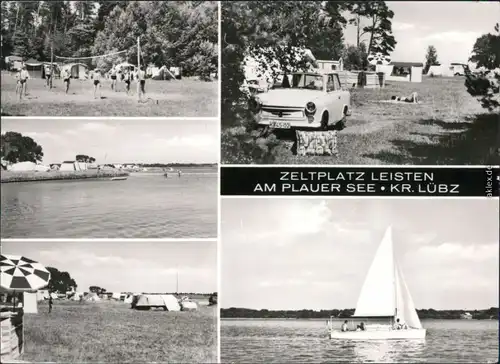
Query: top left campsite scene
{"type": "Point", "coordinates": [110, 58]}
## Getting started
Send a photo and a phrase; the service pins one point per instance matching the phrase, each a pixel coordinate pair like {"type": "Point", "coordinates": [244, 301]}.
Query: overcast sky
{"type": "Point", "coordinates": [122, 141]}
{"type": "Point", "coordinates": [452, 27]}
{"type": "Point", "coordinates": [125, 266]}
{"type": "Point", "coordinates": [314, 254]}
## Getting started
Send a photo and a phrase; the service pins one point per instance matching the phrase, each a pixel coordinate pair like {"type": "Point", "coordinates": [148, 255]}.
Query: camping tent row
{"type": "Point", "coordinates": [35, 167]}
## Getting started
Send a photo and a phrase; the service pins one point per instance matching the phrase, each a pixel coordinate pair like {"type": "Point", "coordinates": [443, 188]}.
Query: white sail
{"type": "Point", "coordinates": [378, 294]}
{"type": "Point", "coordinates": [405, 308]}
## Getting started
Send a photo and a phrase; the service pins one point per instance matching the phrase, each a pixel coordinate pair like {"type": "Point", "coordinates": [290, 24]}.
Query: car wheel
{"type": "Point", "coordinates": [340, 125]}
{"type": "Point", "coordinates": [325, 118]}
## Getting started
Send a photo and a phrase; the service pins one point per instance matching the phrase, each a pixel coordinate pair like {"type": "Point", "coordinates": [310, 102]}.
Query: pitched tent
{"type": "Point", "coordinates": [42, 294]}
{"type": "Point", "coordinates": [129, 299]}
{"type": "Point", "coordinates": [116, 295]}
{"type": "Point", "coordinates": [29, 167]}
{"type": "Point", "coordinates": [72, 166]}
{"type": "Point", "coordinates": [76, 70]}
{"type": "Point", "coordinates": [54, 296]}
{"type": "Point", "coordinates": [149, 301]}
{"type": "Point", "coordinates": [14, 63]}
{"type": "Point", "coordinates": [92, 297]}
{"type": "Point", "coordinates": [35, 68]}
{"type": "Point", "coordinates": [23, 167]}
{"type": "Point", "coordinates": [188, 306]}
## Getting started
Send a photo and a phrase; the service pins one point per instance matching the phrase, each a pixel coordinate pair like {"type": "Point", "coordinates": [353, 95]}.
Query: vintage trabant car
{"type": "Point", "coordinates": [304, 100]}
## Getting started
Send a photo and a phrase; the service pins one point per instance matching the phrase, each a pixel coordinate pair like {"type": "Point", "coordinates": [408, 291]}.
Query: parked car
{"type": "Point", "coordinates": [304, 100]}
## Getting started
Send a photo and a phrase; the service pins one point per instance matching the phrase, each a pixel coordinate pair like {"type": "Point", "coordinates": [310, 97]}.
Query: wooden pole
{"type": "Point", "coordinates": [51, 62]}
{"type": "Point", "coordinates": [138, 68]}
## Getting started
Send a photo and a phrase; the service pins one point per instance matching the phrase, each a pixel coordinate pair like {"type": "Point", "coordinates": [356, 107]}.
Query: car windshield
{"type": "Point", "coordinates": [303, 81]}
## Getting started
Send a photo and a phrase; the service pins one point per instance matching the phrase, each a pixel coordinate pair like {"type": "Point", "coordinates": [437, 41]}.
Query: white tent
{"type": "Point", "coordinates": [54, 296]}
{"type": "Point", "coordinates": [24, 167]}
{"type": "Point", "coordinates": [92, 297]}
{"type": "Point", "coordinates": [129, 298]}
{"type": "Point", "coordinates": [77, 70]}
{"type": "Point", "coordinates": [188, 305]}
{"type": "Point", "coordinates": [116, 295]}
{"type": "Point", "coordinates": [72, 166]}
{"type": "Point", "coordinates": [42, 294]}
{"type": "Point", "coordinates": [148, 301]}
{"type": "Point", "coordinates": [77, 296]}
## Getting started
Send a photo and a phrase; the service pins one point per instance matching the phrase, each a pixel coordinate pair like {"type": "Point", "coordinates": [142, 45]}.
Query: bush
{"type": "Point", "coordinates": [242, 145]}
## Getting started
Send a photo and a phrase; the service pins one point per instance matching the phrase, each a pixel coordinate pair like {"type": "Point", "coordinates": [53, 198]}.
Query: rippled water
{"type": "Point", "coordinates": [301, 341]}
{"type": "Point", "coordinates": [146, 205]}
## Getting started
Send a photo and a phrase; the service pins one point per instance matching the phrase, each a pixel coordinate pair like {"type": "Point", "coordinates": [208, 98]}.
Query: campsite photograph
{"type": "Point", "coordinates": [101, 178]}
{"type": "Point", "coordinates": [110, 58]}
{"type": "Point", "coordinates": [360, 83]}
{"type": "Point", "coordinates": [359, 280]}
{"type": "Point", "coordinates": [113, 302]}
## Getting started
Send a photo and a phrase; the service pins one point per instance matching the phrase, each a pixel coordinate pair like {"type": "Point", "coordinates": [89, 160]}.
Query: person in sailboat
{"type": "Point", "coordinates": [399, 325]}
{"type": "Point", "coordinates": [344, 327]}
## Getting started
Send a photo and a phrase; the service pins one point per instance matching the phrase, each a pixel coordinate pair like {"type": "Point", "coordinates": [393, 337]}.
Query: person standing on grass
{"type": "Point", "coordinates": [65, 75]}
{"type": "Point", "coordinates": [48, 74]}
{"type": "Point", "coordinates": [112, 74]}
{"type": "Point", "coordinates": [126, 79]}
{"type": "Point", "coordinates": [51, 302]}
{"type": "Point", "coordinates": [141, 82]}
{"type": "Point", "coordinates": [24, 76]}
{"type": "Point", "coordinates": [97, 82]}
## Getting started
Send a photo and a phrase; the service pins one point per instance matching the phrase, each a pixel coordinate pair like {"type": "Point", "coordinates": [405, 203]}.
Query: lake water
{"type": "Point", "coordinates": [146, 205]}
{"type": "Point", "coordinates": [302, 341]}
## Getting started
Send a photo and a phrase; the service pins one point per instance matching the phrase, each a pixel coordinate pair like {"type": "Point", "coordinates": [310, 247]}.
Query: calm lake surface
{"type": "Point", "coordinates": [146, 205]}
{"type": "Point", "coordinates": [301, 341]}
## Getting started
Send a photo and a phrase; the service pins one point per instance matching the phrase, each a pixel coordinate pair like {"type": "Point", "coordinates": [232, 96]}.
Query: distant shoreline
{"type": "Point", "coordinates": [246, 313]}
{"type": "Point", "coordinates": [13, 177]}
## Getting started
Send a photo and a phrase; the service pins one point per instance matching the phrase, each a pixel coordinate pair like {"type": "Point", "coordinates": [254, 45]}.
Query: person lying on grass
{"type": "Point", "coordinates": [413, 98]}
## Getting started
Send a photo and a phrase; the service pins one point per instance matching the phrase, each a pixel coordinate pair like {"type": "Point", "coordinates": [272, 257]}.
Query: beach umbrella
{"type": "Point", "coordinates": [18, 273]}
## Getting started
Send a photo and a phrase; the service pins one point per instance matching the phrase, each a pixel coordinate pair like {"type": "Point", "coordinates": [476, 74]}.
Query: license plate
{"type": "Point", "coordinates": [279, 125]}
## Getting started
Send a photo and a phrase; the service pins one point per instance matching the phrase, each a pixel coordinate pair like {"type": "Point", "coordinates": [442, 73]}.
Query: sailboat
{"type": "Point", "coordinates": [384, 299]}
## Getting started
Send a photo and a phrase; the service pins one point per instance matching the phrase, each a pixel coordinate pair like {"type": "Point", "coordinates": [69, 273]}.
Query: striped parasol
{"type": "Point", "coordinates": [18, 273]}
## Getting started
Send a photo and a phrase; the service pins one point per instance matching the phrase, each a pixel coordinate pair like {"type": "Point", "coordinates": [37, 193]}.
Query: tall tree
{"type": "Point", "coordinates": [431, 58]}
{"type": "Point", "coordinates": [14, 148]}
{"type": "Point", "coordinates": [60, 281]}
{"type": "Point", "coordinates": [485, 82]}
{"type": "Point", "coordinates": [378, 18]}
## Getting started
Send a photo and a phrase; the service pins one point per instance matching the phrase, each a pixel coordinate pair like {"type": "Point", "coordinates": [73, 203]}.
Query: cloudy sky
{"type": "Point", "coordinates": [314, 254]}
{"type": "Point", "coordinates": [452, 27]}
{"type": "Point", "coordinates": [122, 141]}
{"type": "Point", "coordinates": [124, 266]}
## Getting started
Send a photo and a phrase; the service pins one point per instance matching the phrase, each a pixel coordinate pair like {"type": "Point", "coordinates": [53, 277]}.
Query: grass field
{"type": "Point", "coordinates": [185, 98]}
{"type": "Point", "coordinates": [112, 332]}
{"type": "Point", "coordinates": [448, 127]}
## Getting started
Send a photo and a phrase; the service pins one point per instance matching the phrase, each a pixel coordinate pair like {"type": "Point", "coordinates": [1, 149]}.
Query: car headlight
{"type": "Point", "coordinates": [310, 108]}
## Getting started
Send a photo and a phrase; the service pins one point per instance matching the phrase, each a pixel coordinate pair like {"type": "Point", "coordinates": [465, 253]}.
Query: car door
{"type": "Point", "coordinates": [335, 102]}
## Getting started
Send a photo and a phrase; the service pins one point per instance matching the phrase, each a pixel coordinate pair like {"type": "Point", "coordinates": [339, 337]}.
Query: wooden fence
{"type": "Point", "coordinates": [12, 333]}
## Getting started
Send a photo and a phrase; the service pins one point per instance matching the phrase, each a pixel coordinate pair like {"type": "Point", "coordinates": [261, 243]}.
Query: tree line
{"type": "Point", "coordinates": [346, 313]}
{"type": "Point", "coordinates": [172, 33]}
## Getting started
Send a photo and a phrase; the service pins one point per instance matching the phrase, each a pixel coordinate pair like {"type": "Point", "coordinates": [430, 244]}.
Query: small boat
{"type": "Point", "coordinates": [119, 178]}
{"type": "Point", "coordinates": [384, 299]}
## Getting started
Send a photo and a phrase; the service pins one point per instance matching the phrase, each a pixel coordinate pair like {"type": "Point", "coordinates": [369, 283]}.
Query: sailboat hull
{"type": "Point", "coordinates": [410, 334]}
